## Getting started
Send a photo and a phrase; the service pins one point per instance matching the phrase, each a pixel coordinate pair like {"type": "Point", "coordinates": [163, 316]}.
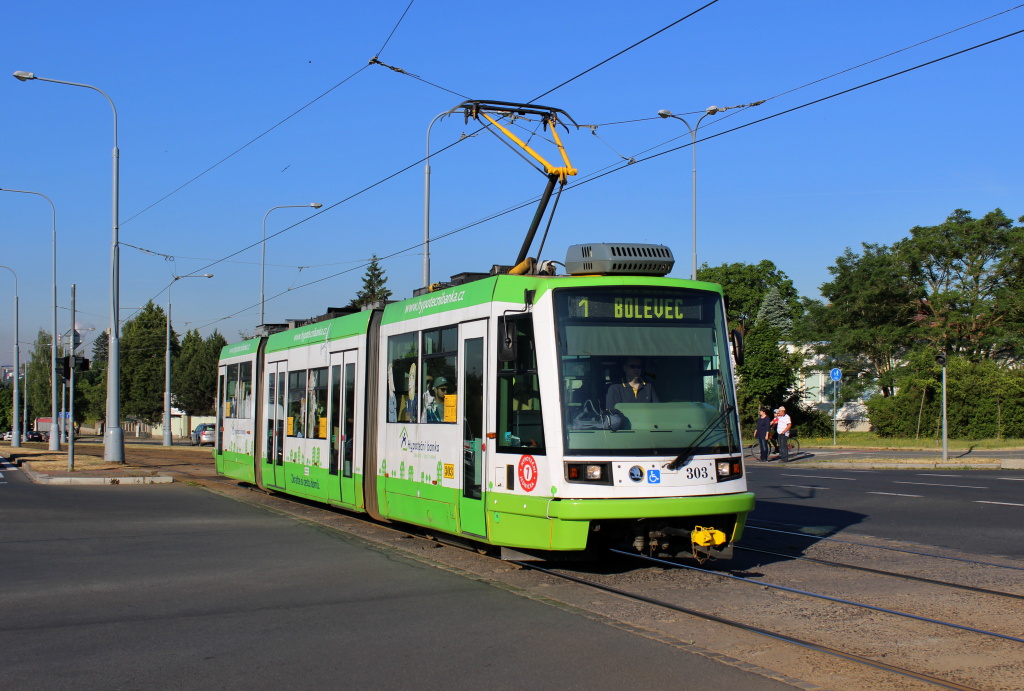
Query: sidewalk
{"type": "Point", "coordinates": [147, 463]}
{"type": "Point", "coordinates": [883, 459]}
{"type": "Point", "coordinates": [144, 464]}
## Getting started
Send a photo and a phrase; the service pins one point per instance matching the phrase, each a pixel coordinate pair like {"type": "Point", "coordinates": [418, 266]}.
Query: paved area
{"type": "Point", "coordinates": [148, 462]}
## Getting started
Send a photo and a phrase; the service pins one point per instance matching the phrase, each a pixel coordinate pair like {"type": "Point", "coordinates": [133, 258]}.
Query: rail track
{"type": "Point", "coordinates": [780, 623]}
{"type": "Point", "coordinates": [775, 635]}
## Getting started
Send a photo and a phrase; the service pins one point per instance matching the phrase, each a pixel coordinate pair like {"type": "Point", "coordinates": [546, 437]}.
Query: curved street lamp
{"type": "Point", "coordinates": [710, 110]}
{"type": "Point", "coordinates": [426, 199]}
{"type": "Point", "coordinates": [263, 242]}
{"type": "Point", "coordinates": [16, 428]}
{"type": "Point", "coordinates": [113, 434]}
{"type": "Point", "coordinates": [168, 440]}
{"type": "Point", "coordinates": [54, 438]}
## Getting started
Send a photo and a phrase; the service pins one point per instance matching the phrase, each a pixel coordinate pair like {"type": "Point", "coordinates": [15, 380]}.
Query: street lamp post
{"type": "Point", "coordinates": [263, 243]}
{"type": "Point", "coordinates": [54, 438]}
{"type": "Point", "coordinates": [426, 200]}
{"type": "Point", "coordinates": [114, 434]}
{"type": "Point", "coordinates": [940, 359]}
{"type": "Point", "coordinates": [16, 427]}
{"type": "Point", "coordinates": [168, 440]}
{"type": "Point", "coordinates": [710, 110]}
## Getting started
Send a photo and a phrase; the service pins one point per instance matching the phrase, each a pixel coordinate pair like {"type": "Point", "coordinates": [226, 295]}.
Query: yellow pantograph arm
{"type": "Point", "coordinates": [562, 172]}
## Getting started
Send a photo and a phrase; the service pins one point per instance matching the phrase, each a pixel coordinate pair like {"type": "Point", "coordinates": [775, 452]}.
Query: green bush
{"type": "Point", "coordinates": [983, 401]}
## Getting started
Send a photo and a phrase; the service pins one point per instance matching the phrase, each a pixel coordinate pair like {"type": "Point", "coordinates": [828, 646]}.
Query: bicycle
{"type": "Point", "coordinates": [754, 449]}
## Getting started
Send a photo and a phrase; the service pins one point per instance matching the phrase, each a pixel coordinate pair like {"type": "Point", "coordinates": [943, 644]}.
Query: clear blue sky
{"type": "Point", "coordinates": [193, 82]}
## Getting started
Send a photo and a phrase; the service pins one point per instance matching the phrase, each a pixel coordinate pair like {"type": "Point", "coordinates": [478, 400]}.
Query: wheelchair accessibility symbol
{"type": "Point", "coordinates": [654, 476]}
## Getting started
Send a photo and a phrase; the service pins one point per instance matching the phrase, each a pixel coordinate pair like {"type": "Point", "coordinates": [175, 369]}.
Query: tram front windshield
{"type": "Point", "coordinates": [644, 371]}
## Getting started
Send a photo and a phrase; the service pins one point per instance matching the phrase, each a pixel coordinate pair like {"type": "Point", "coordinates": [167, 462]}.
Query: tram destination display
{"type": "Point", "coordinates": [634, 306]}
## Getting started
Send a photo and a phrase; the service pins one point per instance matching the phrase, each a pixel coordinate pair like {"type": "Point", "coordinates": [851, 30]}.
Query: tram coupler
{"type": "Point", "coordinates": [709, 543]}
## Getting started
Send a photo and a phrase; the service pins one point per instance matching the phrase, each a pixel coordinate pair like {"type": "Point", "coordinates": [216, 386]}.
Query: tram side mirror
{"type": "Point", "coordinates": [508, 340]}
{"type": "Point", "coordinates": [737, 346]}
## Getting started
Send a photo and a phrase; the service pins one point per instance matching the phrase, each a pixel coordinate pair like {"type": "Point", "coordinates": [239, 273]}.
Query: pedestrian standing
{"type": "Point", "coordinates": [783, 427]}
{"type": "Point", "coordinates": [764, 428]}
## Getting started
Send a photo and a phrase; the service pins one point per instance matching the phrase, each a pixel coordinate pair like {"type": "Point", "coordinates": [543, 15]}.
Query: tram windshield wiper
{"type": "Point", "coordinates": [687, 455]}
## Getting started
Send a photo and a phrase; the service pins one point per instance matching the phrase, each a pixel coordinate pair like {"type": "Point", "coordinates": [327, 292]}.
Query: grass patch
{"type": "Point", "coordinates": [870, 440]}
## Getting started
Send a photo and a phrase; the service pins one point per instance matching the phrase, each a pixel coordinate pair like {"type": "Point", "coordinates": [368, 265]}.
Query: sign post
{"type": "Point", "coordinates": [836, 374]}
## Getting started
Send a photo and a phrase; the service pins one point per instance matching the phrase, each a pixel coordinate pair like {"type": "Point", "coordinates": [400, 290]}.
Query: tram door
{"type": "Point", "coordinates": [273, 450]}
{"type": "Point", "coordinates": [471, 404]}
{"type": "Point", "coordinates": [341, 486]}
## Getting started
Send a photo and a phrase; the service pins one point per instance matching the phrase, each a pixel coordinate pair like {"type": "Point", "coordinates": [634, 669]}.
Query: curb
{"type": "Point", "coordinates": [44, 479]}
{"type": "Point", "coordinates": [1003, 464]}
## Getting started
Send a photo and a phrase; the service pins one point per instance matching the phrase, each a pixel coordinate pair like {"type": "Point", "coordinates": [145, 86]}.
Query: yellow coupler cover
{"type": "Point", "coordinates": [707, 537]}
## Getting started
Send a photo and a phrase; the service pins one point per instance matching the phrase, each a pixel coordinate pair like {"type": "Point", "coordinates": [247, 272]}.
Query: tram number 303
{"type": "Point", "coordinates": [700, 473]}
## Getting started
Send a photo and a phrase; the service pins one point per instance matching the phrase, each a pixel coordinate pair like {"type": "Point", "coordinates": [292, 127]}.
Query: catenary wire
{"type": "Point", "coordinates": [268, 131]}
{"type": "Point", "coordinates": [624, 50]}
{"type": "Point", "coordinates": [243, 147]}
{"type": "Point", "coordinates": [620, 166]}
{"type": "Point", "coordinates": [397, 24]}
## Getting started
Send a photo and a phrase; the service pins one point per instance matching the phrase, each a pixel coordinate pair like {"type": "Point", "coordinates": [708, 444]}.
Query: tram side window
{"type": "Point", "coordinates": [307, 403]}
{"type": "Point", "coordinates": [403, 354]}
{"type": "Point", "coordinates": [332, 463]}
{"type": "Point", "coordinates": [231, 393]}
{"type": "Point", "coordinates": [440, 374]}
{"type": "Point", "coordinates": [520, 423]}
{"type": "Point", "coordinates": [244, 390]}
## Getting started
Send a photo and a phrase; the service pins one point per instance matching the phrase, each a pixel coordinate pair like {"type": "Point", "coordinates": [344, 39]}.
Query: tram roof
{"type": "Point", "coordinates": [499, 288]}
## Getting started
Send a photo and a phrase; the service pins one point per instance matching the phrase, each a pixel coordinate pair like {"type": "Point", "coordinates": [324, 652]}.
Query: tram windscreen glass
{"type": "Point", "coordinates": [644, 371]}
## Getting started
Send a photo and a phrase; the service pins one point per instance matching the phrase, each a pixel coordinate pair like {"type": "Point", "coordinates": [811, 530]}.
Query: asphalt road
{"type": "Point", "coordinates": [171, 586]}
{"type": "Point", "coordinates": [977, 511]}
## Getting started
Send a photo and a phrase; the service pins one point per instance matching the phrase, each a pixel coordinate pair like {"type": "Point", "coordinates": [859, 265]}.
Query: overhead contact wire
{"type": "Point", "coordinates": [624, 50]}
{"type": "Point", "coordinates": [244, 146]}
{"type": "Point", "coordinates": [612, 169]}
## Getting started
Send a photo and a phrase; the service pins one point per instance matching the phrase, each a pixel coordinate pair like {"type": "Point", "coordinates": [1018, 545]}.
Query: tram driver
{"type": "Point", "coordinates": [633, 388]}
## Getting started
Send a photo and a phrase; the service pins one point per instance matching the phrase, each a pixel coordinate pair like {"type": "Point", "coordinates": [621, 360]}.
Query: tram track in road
{"type": "Point", "coordinates": [795, 636]}
{"type": "Point", "coordinates": [880, 572]}
{"type": "Point", "coordinates": [774, 635]}
{"type": "Point", "coordinates": [818, 537]}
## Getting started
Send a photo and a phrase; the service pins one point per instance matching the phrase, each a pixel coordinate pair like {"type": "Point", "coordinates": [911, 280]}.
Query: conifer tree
{"type": "Point", "coordinates": [775, 312]}
{"type": "Point", "coordinates": [374, 285]}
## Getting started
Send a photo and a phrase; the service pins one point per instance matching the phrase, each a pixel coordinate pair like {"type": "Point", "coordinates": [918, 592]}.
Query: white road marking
{"type": "Point", "coordinates": [1015, 479]}
{"type": "Point", "coordinates": [937, 475]}
{"type": "Point", "coordinates": [820, 477]}
{"type": "Point", "coordinates": [893, 494]}
{"type": "Point", "coordinates": [804, 486]}
{"type": "Point", "coordinates": [1000, 503]}
{"type": "Point", "coordinates": [936, 484]}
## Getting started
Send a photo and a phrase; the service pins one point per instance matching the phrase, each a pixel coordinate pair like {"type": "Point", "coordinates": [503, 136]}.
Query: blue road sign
{"type": "Point", "coordinates": [836, 374]}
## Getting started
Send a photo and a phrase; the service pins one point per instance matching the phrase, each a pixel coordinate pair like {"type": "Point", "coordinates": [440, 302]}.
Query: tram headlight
{"type": "Point", "coordinates": [728, 469]}
{"type": "Point", "coordinates": [599, 473]}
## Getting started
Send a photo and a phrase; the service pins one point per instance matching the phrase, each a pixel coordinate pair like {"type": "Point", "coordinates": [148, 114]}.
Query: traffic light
{"type": "Point", "coordinates": [941, 358]}
{"type": "Point", "coordinates": [80, 364]}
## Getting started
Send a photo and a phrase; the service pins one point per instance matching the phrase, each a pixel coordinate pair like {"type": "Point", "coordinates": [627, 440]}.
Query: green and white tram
{"type": "Point", "coordinates": [538, 414]}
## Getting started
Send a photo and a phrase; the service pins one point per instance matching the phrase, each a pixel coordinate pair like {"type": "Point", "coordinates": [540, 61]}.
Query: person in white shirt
{"type": "Point", "coordinates": [783, 426]}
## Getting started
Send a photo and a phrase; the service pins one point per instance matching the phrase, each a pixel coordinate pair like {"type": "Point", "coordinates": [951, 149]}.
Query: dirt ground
{"type": "Point", "coordinates": [970, 659]}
